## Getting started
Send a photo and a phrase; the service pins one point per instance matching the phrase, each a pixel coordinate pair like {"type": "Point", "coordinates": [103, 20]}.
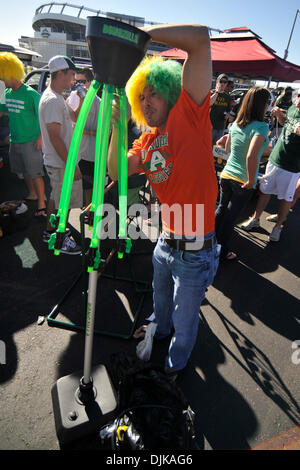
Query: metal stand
{"type": "Point", "coordinates": [142, 291]}
{"type": "Point", "coordinates": [142, 287]}
{"type": "Point", "coordinates": [82, 408]}
{"type": "Point", "coordinates": [82, 404]}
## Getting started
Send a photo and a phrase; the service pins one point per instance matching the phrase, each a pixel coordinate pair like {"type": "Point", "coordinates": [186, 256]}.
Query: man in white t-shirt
{"type": "Point", "coordinates": [57, 130]}
{"type": "Point", "coordinates": [87, 146]}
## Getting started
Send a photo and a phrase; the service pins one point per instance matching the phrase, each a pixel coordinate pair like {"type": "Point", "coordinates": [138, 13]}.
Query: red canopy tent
{"type": "Point", "coordinates": [241, 53]}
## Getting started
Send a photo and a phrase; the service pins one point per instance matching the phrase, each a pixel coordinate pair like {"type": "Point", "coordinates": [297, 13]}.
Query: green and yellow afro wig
{"type": "Point", "coordinates": [165, 78]}
{"type": "Point", "coordinates": [11, 67]}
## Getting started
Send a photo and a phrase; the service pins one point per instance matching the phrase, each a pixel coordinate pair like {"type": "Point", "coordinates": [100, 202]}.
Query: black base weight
{"type": "Point", "coordinates": [82, 410]}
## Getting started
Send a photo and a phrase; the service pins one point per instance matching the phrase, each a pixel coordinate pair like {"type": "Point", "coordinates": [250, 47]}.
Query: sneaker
{"type": "Point", "coordinates": [46, 235]}
{"type": "Point", "coordinates": [70, 247]}
{"type": "Point", "coordinates": [275, 234]}
{"type": "Point", "coordinates": [250, 224]}
{"type": "Point", "coordinates": [21, 209]}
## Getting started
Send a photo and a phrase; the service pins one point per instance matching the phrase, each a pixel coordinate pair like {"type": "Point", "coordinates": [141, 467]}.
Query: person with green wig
{"type": "Point", "coordinates": [171, 104]}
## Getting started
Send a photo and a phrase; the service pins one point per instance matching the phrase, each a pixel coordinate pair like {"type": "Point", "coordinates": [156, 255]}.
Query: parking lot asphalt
{"type": "Point", "coordinates": [242, 380]}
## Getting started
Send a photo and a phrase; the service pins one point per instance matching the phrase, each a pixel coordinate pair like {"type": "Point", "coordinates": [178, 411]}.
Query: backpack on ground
{"type": "Point", "coordinates": [153, 412]}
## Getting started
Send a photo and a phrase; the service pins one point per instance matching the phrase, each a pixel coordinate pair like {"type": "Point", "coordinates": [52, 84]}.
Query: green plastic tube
{"type": "Point", "coordinates": [101, 145]}
{"type": "Point", "coordinates": [64, 201]}
{"type": "Point", "coordinates": [122, 166]}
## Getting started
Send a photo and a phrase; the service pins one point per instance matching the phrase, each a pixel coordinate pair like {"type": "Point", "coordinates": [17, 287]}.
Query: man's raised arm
{"type": "Point", "coordinates": [194, 39]}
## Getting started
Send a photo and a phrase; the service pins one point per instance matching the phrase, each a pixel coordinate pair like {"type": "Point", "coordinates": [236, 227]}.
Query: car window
{"type": "Point", "coordinates": [34, 80]}
{"type": "Point", "coordinates": [44, 81]}
{"type": "Point", "coordinates": [47, 80]}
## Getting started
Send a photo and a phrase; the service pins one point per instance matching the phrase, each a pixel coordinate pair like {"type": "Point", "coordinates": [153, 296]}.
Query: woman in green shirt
{"type": "Point", "coordinates": [247, 140]}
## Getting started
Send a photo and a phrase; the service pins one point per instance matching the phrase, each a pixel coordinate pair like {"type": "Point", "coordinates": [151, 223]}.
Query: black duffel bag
{"type": "Point", "coordinates": [153, 412]}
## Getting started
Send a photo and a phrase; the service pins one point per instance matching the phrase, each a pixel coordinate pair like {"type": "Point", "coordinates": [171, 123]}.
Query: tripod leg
{"type": "Point", "coordinates": [64, 202]}
{"type": "Point", "coordinates": [102, 136]}
{"type": "Point", "coordinates": [122, 166]}
{"type": "Point", "coordinates": [97, 207]}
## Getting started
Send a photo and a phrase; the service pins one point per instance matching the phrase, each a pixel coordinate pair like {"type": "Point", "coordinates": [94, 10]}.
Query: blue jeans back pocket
{"type": "Point", "coordinates": [195, 259]}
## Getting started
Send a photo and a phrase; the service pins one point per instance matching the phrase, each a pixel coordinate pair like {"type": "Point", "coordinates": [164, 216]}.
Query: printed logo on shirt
{"type": "Point", "coordinates": [14, 106]}
{"type": "Point", "coordinates": [156, 162]}
{"type": "Point", "coordinates": [290, 129]}
{"type": "Point", "coordinates": [220, 101]}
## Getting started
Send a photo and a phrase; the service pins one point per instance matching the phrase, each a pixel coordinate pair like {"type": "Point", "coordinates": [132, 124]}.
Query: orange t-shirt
{"type": "Point", "coordinates": [179, 165]}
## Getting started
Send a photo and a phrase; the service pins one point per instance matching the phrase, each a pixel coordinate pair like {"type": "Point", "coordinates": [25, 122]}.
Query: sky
{"type": "Point", "coordinates": [273, 23]}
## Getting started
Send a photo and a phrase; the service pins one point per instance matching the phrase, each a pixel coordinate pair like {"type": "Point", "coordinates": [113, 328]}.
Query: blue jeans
{"type": "Point", "coordinates": [179, 282]}
{"type": "Point", "coordinates": [233, 199]}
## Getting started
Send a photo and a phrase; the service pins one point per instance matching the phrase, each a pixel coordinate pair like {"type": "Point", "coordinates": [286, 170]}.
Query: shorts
{"type": "Point", "coordinates": [87, 171]}
{"type": "Point", "coordinates": [56, 176]}
{"type": "Point", "coordinates": [26, 158]}
{"type": "Point", "coordinates": [279, 182]}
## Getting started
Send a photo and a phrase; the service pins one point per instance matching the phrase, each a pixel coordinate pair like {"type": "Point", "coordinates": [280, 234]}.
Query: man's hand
{"type": "Point", "coordinates": [77, 174]}
{"type": "Point", "coordinates": [248, 185]}
{"type": "Point", "coordinates": [276, 110]}
{"type": "Point", "coordinates": [54, 130]}
{"type": "Point", "coordinates": [38, 143]}
{"type": "Point", "coordinates": [115, 111]}
{"type": "Point", "coordinates": [279, 114]}
{"type": "Point", "coordinates": [297, 129]}
{"type": "Point", "coordinates": [229, 117]}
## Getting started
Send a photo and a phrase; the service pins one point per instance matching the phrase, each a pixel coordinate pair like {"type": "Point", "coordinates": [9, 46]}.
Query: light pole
{"type": "Point", "coordinates": [287, 47]}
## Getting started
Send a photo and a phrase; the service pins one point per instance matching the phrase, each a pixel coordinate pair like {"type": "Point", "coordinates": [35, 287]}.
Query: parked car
{"type": "Point", "coordinates": [39, 78]}
{"type": "Point", "coordinates": [239, 93]}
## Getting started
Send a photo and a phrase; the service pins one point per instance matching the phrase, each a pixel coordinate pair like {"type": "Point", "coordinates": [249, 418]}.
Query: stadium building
{"type": "Point", "coordinates": [59, 28]}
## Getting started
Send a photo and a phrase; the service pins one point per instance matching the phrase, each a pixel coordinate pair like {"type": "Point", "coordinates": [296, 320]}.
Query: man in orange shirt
{"type": "Point", "coordinates": [176, 155]}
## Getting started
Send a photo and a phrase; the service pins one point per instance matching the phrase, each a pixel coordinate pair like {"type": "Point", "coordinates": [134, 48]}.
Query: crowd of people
{"type": "Point", "coordinates": [41, 129]}
{"type": "Point", "coordinates": [184, 118]}
{"type": "Point", "coordinates": [250, 137]}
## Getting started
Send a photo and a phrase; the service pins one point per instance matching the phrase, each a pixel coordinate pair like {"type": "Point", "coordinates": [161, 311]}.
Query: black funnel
{"type": "Point", "coordinates": [116, 49]}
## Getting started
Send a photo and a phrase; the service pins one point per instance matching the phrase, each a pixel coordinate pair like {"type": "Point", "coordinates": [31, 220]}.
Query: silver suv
{"type": "Point", "coordinates": [39, 78]}
{"type": "Point", "coordinates": [238, 93]}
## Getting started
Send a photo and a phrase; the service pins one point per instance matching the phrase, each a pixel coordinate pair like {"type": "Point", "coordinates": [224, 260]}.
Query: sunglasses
{"type": "Point", "coordinates": [81, 81]}
{"type": "Point", "coordinates": [223, 81]}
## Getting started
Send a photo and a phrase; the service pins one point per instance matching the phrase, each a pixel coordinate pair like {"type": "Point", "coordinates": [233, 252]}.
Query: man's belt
{"type": "Point", "coordinates": [188, 246]}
